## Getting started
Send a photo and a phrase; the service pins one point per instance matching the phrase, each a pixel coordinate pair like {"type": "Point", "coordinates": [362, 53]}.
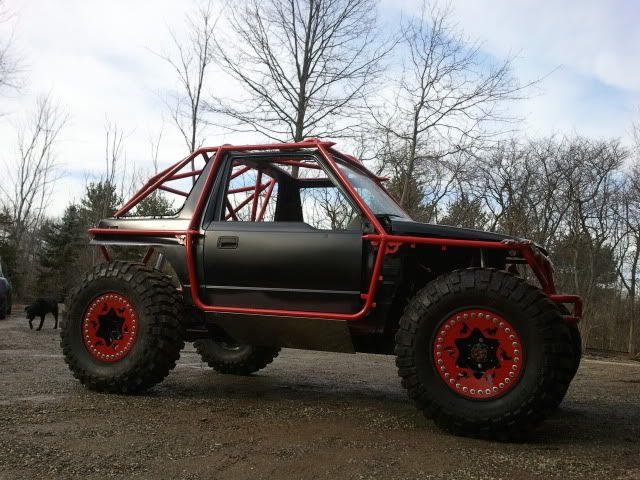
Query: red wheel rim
{"type": "Point", "coordinates": [109, 327]}
{"type": "Point", "coordinates": [478, 354]}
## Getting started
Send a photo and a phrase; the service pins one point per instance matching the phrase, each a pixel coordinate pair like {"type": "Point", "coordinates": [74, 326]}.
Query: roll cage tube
{"type": "Point", "coordinates": [380, 240]}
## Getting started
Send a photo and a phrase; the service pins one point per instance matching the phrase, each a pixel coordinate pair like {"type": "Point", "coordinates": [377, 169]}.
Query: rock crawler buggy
{"type": "Point", "coordinates": [298, 245]}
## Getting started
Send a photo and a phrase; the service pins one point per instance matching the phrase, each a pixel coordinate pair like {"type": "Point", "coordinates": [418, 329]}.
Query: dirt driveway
{"type": "Point", "coordinates": [308, 415]}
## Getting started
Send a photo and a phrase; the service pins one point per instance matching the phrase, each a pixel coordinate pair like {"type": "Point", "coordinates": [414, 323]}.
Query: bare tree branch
{"type": "Point", "coordinates": [446, 99]}
{"type": "Point", "coordinates": [10, 65]}
{"type": "Point", "coordinates": [190, 64]}
{"type": "Point", "coordinates": [31, 173]}
{"type": "Point", "coordinates": [304, 65]}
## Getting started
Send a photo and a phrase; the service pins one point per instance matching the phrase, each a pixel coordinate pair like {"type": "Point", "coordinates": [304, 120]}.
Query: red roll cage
{"type": "Point", "coordinates": [385, 243]}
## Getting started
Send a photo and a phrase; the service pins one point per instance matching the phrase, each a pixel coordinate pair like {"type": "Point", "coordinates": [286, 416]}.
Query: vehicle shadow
{"type": "Point", "coordinates": [589, 421]}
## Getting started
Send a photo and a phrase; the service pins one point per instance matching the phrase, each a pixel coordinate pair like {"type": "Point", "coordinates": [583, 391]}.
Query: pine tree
{"type": "Point", "coordinates": [155, 205]}
{"type": "Point", "coordinates": [100, 200]}
{"type": "Point", "coordinates": [59, 257]}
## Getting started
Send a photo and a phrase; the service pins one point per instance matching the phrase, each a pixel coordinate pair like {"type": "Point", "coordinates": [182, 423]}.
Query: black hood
{"type": "Point", "coordinates": [417, 229]}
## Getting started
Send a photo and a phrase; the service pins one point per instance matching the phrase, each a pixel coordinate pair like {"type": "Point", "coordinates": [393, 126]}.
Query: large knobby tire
{"type": "Point", "coordinates": [572, 334]}
{"type": "Point", "coordinates": [5, 309]}
{"type": "Point", "coordinates": [231, 358]}
{"type": "Point", "coordinates": [121, 331]}
{"type": "Point", "coordinates": [576, 353]}
{"type": "Point", "coordinates": [483, 353]}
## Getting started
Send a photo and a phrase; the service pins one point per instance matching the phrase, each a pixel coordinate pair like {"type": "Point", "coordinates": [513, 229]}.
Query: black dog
{"type": "Point", "coordinates": [39, 308]}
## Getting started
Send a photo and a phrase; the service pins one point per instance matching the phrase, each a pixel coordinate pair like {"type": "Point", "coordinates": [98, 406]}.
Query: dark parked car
{"type": "Point", "coordinates": [298, 245]}
{"type": "Point", "coordinates": [5, 296]}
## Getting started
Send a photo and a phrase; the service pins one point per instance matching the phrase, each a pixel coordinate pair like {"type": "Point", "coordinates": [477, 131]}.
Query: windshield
{"type": "Point", "coordinates": [373, 195]}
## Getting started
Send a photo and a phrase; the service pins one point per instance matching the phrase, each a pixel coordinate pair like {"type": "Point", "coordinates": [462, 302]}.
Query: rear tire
{"type": "Point", "coordinates": [575, 339]}
{"type": "Point", "coordinates": [471, 327]}
{"type": "Point", "coordinates": [576, 354]}
{"type": "Point", "coordinates": [120, 332]}
{"type": "Point", "coordinates": [230, 358]}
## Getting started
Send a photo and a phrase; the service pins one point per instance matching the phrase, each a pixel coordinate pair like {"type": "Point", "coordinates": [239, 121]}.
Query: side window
{"type": "Point", "coordinates": [251, 196]}
{"type": "Point", "coordinates": [287, 190]}
{"type": "Point", "coordinates": [326, 208]}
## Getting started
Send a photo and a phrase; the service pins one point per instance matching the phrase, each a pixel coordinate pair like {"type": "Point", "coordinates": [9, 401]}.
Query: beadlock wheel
{"type": "Point", "coordinates": [121, 330]}
{"type": "Point", "coordinates": [478, 354]}
{"type": "Point", "coordinates": [484, 353]}
{"type": "Point", "coordinates": [109, 327]}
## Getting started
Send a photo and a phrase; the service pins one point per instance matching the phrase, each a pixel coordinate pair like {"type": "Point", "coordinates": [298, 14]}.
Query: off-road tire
{"type": "Point", "coordinates": [244, 360]}
{"type": "Point", "coordinates": [159, 337]}
{"type": "Point", "coordinates": [576, 354]}
{"type": "Point", "coordinates": [573, 336]}
{"type": "Point", "coordinates": [546, 369]}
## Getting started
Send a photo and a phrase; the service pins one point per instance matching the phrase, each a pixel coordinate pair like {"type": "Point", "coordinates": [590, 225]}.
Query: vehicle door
{"type": "Point", "coordinates": [282, 235]}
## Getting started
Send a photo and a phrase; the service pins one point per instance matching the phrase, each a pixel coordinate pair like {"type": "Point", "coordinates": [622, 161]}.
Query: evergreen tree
{"type": "Point", "coordinates": [59, 258]}
{"type": "Point", "coordinates": [100, 200]}
{"type": "Point", "coordinates": [155, 205]}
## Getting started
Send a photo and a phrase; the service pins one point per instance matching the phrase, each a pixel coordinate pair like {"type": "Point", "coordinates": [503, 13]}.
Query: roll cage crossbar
{"type": "Point", "coordinates": [381, 241]}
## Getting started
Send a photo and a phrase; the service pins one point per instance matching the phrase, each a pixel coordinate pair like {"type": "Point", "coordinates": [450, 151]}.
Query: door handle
{"type": "Point", "coordinates": [227, 242]}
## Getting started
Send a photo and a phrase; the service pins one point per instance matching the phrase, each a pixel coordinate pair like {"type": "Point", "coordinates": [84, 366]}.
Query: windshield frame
{"type": "Point", "coordinates": [392, 207]}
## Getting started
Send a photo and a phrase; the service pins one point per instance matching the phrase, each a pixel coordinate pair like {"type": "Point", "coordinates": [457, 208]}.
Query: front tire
{"type": "Point", "coordinates": [482, 353]}
{"type": "Point", "coordinates": [225, 356]}
{"type": "Point", "coordinates": [120, 332]}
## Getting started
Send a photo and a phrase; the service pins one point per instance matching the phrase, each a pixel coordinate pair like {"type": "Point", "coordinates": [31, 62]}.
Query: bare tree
{"type": "Point", "coordinates": [447, 99]}
{"type": "Point", "coordinates": [627, 238]}
{"type": "Point", "coordinates": [28, 184]}
{"type": "Point", "coordinates": [31, 173]}
{"type": "Point", "coordinates": [154, 145]}
{"type": "Point", "coordinates": [304, 66]}
{"type": "Point", "coordinates": [190, 64]}
{"type": "Point", "coordinates": [113, 151]}
{"type": "Point", "coordinates": [9, 63]}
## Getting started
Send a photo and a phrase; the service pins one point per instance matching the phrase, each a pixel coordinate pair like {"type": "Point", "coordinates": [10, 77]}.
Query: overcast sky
{"type": "Point", "coordinates": [95, 58]}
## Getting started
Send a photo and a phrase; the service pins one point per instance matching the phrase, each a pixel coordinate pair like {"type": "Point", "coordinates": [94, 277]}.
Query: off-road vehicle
{"type": "Point", "coordinates": [298, 245]}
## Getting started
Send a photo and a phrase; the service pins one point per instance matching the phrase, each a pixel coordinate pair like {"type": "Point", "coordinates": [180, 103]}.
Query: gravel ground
{"type": "Point", "coordinates": [308, 415]}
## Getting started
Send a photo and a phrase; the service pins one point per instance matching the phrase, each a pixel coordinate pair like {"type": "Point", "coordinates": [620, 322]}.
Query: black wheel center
{"type": "Point", "coordinates": [480, 352]}
{"type": "Point", "coordinates": [477, 353]}
{"type": "Point", "coordinates": [110, 327]}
